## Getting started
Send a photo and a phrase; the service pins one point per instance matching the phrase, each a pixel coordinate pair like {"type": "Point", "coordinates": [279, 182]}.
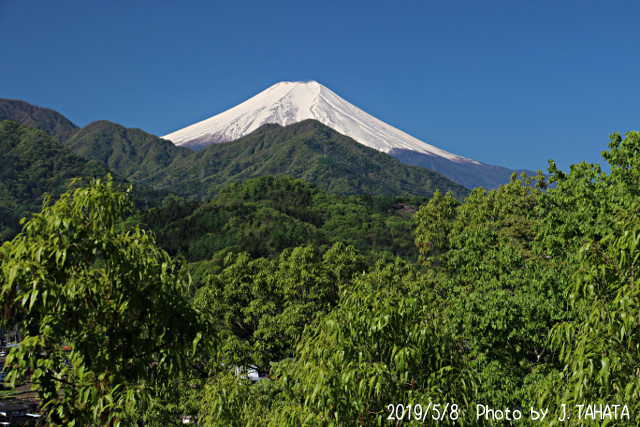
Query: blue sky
{"type": "Point", "coordinates": [509, 83]}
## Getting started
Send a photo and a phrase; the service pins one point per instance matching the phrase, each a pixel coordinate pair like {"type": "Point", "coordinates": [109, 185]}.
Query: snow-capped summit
{"type": "Point", "coordinates": [290, 102]}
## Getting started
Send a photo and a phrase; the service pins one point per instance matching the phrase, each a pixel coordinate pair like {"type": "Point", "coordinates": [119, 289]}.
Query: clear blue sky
{"type": "Point", "coordinates": [508, 83]}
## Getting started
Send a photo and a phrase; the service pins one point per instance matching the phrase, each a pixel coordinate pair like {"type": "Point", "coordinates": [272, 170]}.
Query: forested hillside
{"type": "Point", "coordinates": [132, 153]}
{"type": "Point", "coordinates": [528, 303]}
{"type": "Point", "coordinates": [45, 119]}
{"type": "Point", "coordinates": [34, 164]}
{"type": "Point", "coordinates": [307, 150]}
{"type": "Point", "coordinates": [266, 215]}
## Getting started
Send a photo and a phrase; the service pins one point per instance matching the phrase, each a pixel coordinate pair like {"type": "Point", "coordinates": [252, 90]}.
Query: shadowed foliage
{"type": "Point", "coordinates": [44, 119]}
{"type": "Point", "coordinates": [131, 152]}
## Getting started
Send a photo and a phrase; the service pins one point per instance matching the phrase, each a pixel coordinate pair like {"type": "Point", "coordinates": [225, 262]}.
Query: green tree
{"type": "Point", "coordinates": [386, 343]}
{"type": "Point", "coordinates": [104, 309]}
{"type": "Point", "coordinates": [596, 221]}
{"type": "Point", "coordinates": [510, 268]}
{"type": "Point", "coordinates": [262, 306]}
{"type": "Point", "coordinates": [601, 352]}
{"type": "Point", "coordinates": [179, 397]}
{"type": "Point", "coordinates": [500, 292]}
{"type": "Point", "coordinates": [231, 400]}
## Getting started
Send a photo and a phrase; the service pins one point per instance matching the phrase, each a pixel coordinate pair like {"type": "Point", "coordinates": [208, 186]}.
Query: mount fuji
{"type": "Point", "coordinates": [287, 103]}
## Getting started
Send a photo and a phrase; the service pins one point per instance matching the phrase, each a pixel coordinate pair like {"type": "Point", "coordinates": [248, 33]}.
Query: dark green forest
{"type": "Point", "coordinates": [132, 153]}
{"type": "Point", "coordinates": [34, 165]}
{"type": "Point", "coordinates": [47, 120]}
{"type": "Point", "coordinates": [307, 150]}
{"type": "Point", "coordinates": [263, 216]}
{"type": "Point", "coordinates": [526, 298]}
{"type": "Point", "coordinates": [35, 162]}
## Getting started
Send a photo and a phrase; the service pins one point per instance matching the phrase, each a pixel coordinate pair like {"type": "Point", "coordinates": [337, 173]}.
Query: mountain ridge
{"type": "Point", "coordinates": [34, 164]}
{"type": "Point", "coordinates": [305, 150]}
{"type": "Point", "coordinates": [45, 119]}
{"type": "Point", "coordinates": [132, 152]}
{"type": "Point", "coordinates": [137, 155]}
{"type": "Point", "coordinates": [143, 158]}
{"type": "Point", "coordinates": [482, 175]}
{"type": "Point", "coordinates": [286, 103]}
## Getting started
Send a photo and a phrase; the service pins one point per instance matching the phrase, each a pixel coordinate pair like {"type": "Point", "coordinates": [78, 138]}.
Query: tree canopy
{"type": "Point", "coordinates": [528, 298]}
{"type": "Point", "coordinates": [104, 310]}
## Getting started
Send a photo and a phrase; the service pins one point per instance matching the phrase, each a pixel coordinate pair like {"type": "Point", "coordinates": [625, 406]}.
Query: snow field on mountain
{"type": "Point", "coordinates": [286, 103]}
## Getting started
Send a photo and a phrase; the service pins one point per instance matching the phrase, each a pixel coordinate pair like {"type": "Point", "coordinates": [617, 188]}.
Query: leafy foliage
{"type": "Point", "coordinates": [528, 297]}
{"type": "Point", "coordinates": [104, 309]}
{"type": "Point", "coordinates": [524, 260]}
{"type": "Point", "coordinates": [385, 343]}
{"type": "Point", "coordinates": [501, 293]}
{"type": "Point", "coordinates": [601, 352]}
{"type": "Point", "coordinates": [266, 215]}
{"type": "Point", "coordinates": [599, 346]}
{"type": "Point", "coordinates": [232, 400]}
{"type": "Point", "coordinates": [263, 306]}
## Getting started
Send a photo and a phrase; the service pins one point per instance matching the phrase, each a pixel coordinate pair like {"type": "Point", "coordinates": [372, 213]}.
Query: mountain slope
{"type": "Point", "coordinates": [132, 152]}
{"type": "Point", "coordinates": [307, 150]}
{"type": "Point", "coordinates": [45, 119]}
{"type": "Point", "coordinates": [32, 164]}
{"type": "Point", "coordinates": [471, 176]}
{"type": "Point", "coordinates": [291, 102]}
{"type": "Point", "coordinates": [286, 103]}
